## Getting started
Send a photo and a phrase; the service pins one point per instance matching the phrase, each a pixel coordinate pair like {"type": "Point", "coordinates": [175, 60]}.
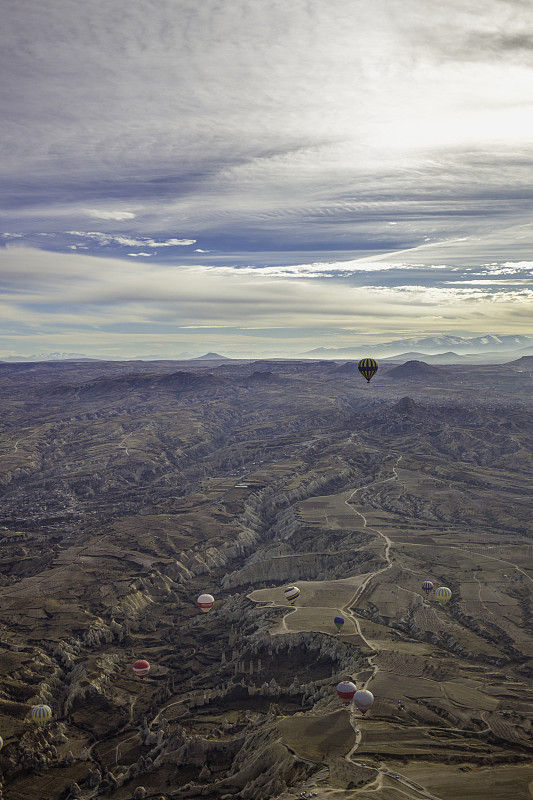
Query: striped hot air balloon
{"type": "Point", "coordinates": [368, 368]}
{"type": "Point", "coordinates": [141, 668]}
{"type": "Point", "coordinates": [362, 700]}
{"type": "Point", "coordinates": [442, 595]}
{"type": "Point", "coordinates": [292, 593]}
{"type": "Point", "coordinates": [41, 714]}
{"type": "Point", "coordinates": [346, 690]}
{"type": "Point", "coordinates": [206, 602]}
{"type": "Point", "coordinates": [427, 586]}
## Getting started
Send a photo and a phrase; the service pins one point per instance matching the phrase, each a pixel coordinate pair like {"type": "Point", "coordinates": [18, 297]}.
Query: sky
{"type": "Point", "coordinates": [262, 178]}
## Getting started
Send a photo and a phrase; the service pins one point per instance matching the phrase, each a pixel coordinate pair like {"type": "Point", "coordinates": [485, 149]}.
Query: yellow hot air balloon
{"type": "Point", "coordinates": [442, 595]}
{"type": "Point", "coordinates": [41, 714]}
{"type": "Point", "coordinates": [368, 368]}
{"type": "Point", "coordinates": [427, 586]}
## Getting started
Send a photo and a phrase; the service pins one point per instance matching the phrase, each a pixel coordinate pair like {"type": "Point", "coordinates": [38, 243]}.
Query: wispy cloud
{"type": "Point", "coordinates": [109, 238]}
{"type": "Point", "coordinates": [119, 216]}
{"type": "Point", "coordinates": [363, 144]}
{"type": "Point", "coordinates": [50, 293]}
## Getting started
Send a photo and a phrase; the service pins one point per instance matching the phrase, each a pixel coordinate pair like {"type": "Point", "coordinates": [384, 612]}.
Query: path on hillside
{"type": "Point", "coordinates": [381, 773]}
{"type": "Point", "coordinates": [388, 544]}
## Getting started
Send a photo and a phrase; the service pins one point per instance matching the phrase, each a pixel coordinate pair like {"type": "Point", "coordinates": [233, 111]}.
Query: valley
{"type": "Point", "coordinates": [130, 488]}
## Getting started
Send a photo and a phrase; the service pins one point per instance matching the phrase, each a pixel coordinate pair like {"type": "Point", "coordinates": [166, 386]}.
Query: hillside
{"type": "Point", "coordinates": [417, 370]}
{"type": "Point", "coordinates": [128, 489]}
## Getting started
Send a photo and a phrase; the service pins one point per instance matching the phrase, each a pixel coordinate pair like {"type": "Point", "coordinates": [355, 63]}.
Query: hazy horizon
{"type": "Point", "coordinates": [506, 347]}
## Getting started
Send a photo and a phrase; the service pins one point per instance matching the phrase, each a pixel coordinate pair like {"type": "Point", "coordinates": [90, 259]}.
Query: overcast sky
{"type": "Point", "coordinates": [263, 177]}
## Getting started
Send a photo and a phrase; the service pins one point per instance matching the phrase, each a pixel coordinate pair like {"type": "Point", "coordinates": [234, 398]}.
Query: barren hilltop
{"type": "Point", "coordinates": [128, 489]}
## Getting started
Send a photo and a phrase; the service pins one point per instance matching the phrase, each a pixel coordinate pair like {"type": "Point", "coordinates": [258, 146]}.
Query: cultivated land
{"type": "Point", "coordinates": [127, 489]}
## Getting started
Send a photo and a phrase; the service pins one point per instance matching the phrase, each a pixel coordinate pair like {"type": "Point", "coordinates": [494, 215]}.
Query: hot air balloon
{"type": "Point", "coordinates": [206, 602]}
{"type": "Point", "coordinates": [141, 668]}
{"type": "Point", "coordinates": [339, 622]}
{"type": "Point", "coordinates": [362, 700]}
{"type": "Point", "coordinates": [427, 586]}
{"type": "Point", "coordinates": [41, 714]}
{"type": "Point", "coordinates": [368, 368]}
{"type": "Point", "coordinates": [442, 595]}
{"type": "Point", "coordinates": [292, 593]}
{"type": "Point", "coordinates": [1, 742]}
{"type": "Point", "coordinates": [346, 690]}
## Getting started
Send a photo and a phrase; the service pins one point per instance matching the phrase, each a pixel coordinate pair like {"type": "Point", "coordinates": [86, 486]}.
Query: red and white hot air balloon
{"type": "Point", "coordinates": [346, 691]}
{"type": "Point", "coordinates": [141, 668]}
{"type": "Point", "coordinates": [206, 602]}
{"type": "Point", "coordinates": [362, 700]}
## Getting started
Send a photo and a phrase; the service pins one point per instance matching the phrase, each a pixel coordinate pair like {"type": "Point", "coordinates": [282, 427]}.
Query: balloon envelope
{"type": "Point", "coordinates": [346, 690]}
{"type": "Point", "coordinates": [362, 700]}
{"type": "Point", "coordinates": [368, 368]}
{"type": "Point", "coordinates": [41, 714]}
{"type": "Point", "coordinates": [442, 595]}
{"type": "Point", "coordinates": [292, 593]}
{"type": "Point", "coordinates": [141, 668]}
{"type": "Point", "coordinates": [339, 622]}
{"type": "Point", "coordinates": [206, 602]}
{"type": "Point", "coordinates": [427, 586]}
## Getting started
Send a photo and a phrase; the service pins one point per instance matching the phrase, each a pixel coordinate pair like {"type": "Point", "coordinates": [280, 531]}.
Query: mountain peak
{"type": "Point", "coordinates": [211, 357]}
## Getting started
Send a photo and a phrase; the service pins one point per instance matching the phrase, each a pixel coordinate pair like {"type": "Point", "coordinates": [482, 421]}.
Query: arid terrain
{"type": "Point", "coordinates": [129, 488]}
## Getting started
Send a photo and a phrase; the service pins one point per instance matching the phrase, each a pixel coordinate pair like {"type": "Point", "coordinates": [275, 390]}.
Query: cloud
{"type": "Point", "coordinates": [109, 238]}
{"type": "Point", "coordinates": [271, 123]}
{"type": "Point", "coordinates": [119, 216]}
{"type": "Point", "coordinates": [325, 156]}
{"type": "Point", "coordinates": [89, 297]}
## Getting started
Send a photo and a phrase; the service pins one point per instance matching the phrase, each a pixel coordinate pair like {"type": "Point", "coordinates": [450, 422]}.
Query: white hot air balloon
{"type": "Point", "coordinates": [362, 700]}
{"type": "Point", "coordinates": [206, 602]}
{"type": "Point", "coordinates": [292, 593]}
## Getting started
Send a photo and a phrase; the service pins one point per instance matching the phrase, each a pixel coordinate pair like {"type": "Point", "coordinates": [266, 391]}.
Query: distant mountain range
{"type": "Point", "coordinates": [437, 349]}
{"type": "Point", "coordinates": [447, 349]}
{"type": "Point", "coordinates": [50, 357]}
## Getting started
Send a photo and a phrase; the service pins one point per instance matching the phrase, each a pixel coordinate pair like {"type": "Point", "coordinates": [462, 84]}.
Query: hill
{"type": "Point", "coordinates": [417, 370]}
{"type": "Point", "coordinates": [439, 358]}
{"type": "Point", "coordinates": [349, 368]}
{"type": "Point", "coordinates": [524, 361]}
{"type": "Point", "coordinates": [211, 357]}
